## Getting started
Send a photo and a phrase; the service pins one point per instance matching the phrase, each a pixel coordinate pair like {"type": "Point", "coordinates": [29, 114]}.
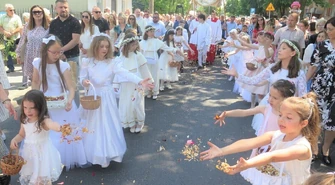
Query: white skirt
{"type": "Point", "coordinates": [106, 142]}
{"type": "Point", "coordinates": [43, 163]}
{"type": "Point", "coordinates": [72, 154]}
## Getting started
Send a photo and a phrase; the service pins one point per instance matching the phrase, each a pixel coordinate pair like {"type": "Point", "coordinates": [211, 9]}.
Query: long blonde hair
{"type": "Point", "coordinates": [307, 109]}
{"type": "Point", "coordinates": [321, 179]}
{"type": "Point", "coordinates": [94, 48]}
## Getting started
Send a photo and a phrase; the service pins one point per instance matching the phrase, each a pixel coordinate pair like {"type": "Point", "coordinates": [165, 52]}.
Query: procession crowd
{"type": "Point", "coordinates": [284, 68]}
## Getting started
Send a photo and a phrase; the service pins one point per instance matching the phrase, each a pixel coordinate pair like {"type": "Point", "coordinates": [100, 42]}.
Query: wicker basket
{"type": "Point", "coordinates": [251, 66]}
{"type": "Point", "coordinates": [174, 64]}
{"type": "Point", "coordinates": [90, 102]}
{"type": "Point", "coordinates": [11, 164]}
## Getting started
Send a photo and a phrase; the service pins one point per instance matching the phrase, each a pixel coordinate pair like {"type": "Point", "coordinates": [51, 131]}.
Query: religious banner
{"type": "Point", "coordinates": [207, 2]}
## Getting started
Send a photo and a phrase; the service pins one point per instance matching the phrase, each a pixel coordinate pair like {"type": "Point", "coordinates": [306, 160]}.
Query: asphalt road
{"type": "Point", "coordinates": [184, 113]}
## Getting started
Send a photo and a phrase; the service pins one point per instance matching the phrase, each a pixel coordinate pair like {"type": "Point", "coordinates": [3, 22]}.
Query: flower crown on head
{"type": "Point", "coordinates": [150, 28]}
{"type": "Point", "coordinates": [128, 40]}
{"type": "Point", "coordinates": [292, 45]}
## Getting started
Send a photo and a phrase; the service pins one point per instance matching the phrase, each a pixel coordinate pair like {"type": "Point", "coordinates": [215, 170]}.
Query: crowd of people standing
{"type": "Point", "coordinates": [284, 66]}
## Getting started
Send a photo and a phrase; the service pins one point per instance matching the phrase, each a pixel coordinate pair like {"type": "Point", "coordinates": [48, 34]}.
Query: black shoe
{"type": "Point", "coordinates": [326, 159]}
{"type": "Point", "coordinates": [10, 71]}
{"type": "Point", "coordinates": [199, 67]}
{"type": "Point", "coordinates": [314, 157]}
{"type": "Point", "coordinates": [5, 179]}
{"type": "Point", "coordinates": [23, 87]}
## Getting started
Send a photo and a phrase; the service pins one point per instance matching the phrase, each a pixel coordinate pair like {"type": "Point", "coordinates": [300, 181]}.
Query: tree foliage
{"type": "Point", "coordinates": [242, 7]}
{"type": "Point", "coordinates": [163, 6]}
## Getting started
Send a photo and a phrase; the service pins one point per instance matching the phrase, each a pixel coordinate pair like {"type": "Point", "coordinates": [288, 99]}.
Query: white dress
{"type": "Point", "coordinates": [149, 50]}
{"type": "Point", "coordinates": [166, 72]}
{"type": "Point", "coordinates": [71, 154]}
{"type": "Point", "coordinates": [131, 103]}
{"type": "Point", "coordinates": [86, 39]}
{"type": "Point", "coordinates": [266, 74]}
{"type": "Point", "coordinates": [296, 172]}
{"type": "Point", "coordinates": [43, 160]}
{"type": "Point", "coordinates": [179, 43]}
{"type": "Point", "coordinates": [107, 142]}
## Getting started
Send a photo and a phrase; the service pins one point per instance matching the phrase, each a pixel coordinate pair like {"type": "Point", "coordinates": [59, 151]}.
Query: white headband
{"type": "Point", "coordinates": [128, 40]}
{"type": "Point", "coordinates": [292, 45]}
{"type": "Point", "coordinates": [47, 40]}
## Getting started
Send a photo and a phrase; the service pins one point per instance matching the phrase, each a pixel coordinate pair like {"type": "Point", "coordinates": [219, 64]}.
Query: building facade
{"type": "Point", "coordinates": [76, 6]}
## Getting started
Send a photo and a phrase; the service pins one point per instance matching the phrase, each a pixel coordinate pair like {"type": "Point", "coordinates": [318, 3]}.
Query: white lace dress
{"type": "Point", "coordinates": [266, 74]}
{"type": "Point", "coordinates": [43, 160]}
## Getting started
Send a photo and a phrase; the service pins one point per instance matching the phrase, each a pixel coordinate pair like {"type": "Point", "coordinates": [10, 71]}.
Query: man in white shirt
{"type": "Point", "coordinates": [10, 27]}
{"type": "Point", "coordinates": [290, 32]}
{"type": "Point", "coordinates": [203, 40]}
{"type": "Point", "coordinates": [158, 25]}
{"type": "Point", "coordinates": [147, 17]}
{"type": "Point", "coordinates": [139, 20]}
{"type": "Point", "coordinates": [216, 35]}
{"type": "Point", "coordinates": [193, 39]}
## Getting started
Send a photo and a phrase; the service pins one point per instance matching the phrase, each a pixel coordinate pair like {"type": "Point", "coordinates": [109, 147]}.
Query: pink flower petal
{"type": "Point", "coordinates": [189, 142]}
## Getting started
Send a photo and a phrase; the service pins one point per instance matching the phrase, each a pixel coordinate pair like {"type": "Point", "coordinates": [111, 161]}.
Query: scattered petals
{"type": "Point", "coordinates": [60, 183]}
{"type": "Point", "coordinates": [134, 181]}
{"type": "Point", "coordinates": [161, 148]}
{"type": "Point", "coordinates": [223, 166]}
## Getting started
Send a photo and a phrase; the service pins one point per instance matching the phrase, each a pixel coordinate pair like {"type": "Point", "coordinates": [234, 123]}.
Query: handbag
{"type": "Point", "coordinates": [57, 102]}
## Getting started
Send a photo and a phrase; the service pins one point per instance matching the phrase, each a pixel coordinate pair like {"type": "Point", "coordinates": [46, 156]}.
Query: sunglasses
{"type": "Point", "coordinates": [85, 16]}
{"type": "Point", "coordinates": [131, 19]}
{"type": "Point", "coordinates": [56, 52]}
{"type": "Point", "coordinates": [37, 12]}
{"type": "Point", "coordinates": [97, 12]}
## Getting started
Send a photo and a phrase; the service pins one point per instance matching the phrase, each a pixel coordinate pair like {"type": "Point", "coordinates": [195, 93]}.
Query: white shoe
{"type": "Point", "coordinates": [169, 86]}
{"type": "Point", "coordinates": [139, 128]}
{"type": "Point", "coordinates": [154, 97]}
{"type": "Point", "coordinates": [3, 136]}
{"type": "Point", "coordinates": [105, 165]}
{"type": "Point", "coordinates": [161, 88]}
{"type": "Point", "coordinates": [132, 129]}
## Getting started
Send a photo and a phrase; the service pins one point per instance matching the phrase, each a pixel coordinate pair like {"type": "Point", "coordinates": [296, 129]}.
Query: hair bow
{"type": "Point", "coordinates": [47, 40]}
{"type": "Point", "coordinates": [101, 34]}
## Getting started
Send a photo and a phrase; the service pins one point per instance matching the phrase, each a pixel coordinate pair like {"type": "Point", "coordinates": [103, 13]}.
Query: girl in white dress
{"type": "Point", "coordinates": [149, 47]}
{"type": "Point", "coordinates": [107, 142]}
{"type": "Point", "coordinates": [88, 29]}
{"type": "Point", "coordinates": [166, 72]}
{"type": "Point", "coordinates": [43, 160]}
{"type": "Point", "coordinates": [53, 77]}
{"type": "Point", "coordinates": [131, 103]}
{"type": "Point", "coordinates": [287, 68]}
{"type": "Point", "coordinates": [290, 155]}
{"type": "Point", "coordinates": [181, 43]}
{"type": "Point", "coordinates": [263, 52]}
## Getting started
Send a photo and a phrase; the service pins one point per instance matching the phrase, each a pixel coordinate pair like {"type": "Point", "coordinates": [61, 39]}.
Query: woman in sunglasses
{"type": "Point", "coordinates": [31, 41]}
{"type": "Point", "coordinates": [132, 22]}
{"type": "Point", "coordinates": [88, 29]}
{"type": "Point", "coordinates": [260, 25]}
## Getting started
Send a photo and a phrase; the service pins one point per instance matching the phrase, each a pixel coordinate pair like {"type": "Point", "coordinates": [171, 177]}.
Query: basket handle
{"type": "Point", "coordinates": [94, 92]}
{"type": "Point", "coordinates": [17, 154]}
